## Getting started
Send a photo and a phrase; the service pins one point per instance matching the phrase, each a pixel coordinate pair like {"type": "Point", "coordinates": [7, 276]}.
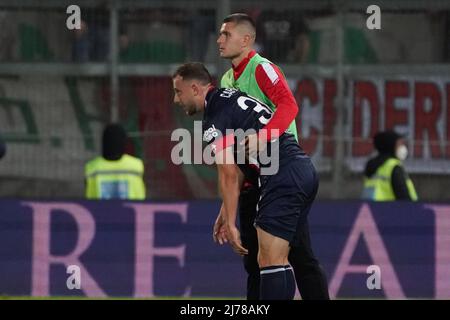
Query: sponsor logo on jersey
{"type": "Point", "coordinates": [210, 134]}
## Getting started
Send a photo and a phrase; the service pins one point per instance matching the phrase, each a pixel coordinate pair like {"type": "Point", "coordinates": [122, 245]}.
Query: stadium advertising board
{"type": "Point", "coordinates": [144, 249]}
{"type": "Point", "coordinates": [418, 107]}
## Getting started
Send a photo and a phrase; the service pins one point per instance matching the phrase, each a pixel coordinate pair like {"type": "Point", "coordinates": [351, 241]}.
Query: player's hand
{"type": "Point", "coordinates": [254, 144]}
{"type": "Point", "coordinates": [220, 230]}
{"type": "Point", "coordinates": [234, 238]}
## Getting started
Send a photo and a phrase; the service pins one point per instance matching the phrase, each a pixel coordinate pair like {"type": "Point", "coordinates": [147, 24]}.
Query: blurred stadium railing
{"type": "Point", "coordinates": [59, 86]}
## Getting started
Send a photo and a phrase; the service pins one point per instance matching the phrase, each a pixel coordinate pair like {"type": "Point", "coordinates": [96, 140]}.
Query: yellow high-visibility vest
{"type": "Point", "coordinates": [117, 179]}
{"type": "Point", "coordinates": [379, 187]}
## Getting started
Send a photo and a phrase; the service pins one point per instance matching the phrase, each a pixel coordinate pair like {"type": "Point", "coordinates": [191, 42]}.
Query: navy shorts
{"type": "Point", "coordinates": [286, 198]}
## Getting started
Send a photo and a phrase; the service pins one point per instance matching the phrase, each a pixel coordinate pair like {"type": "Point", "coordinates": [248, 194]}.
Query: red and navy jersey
{"type": "Point", "coordinates": [273, 84]}
{"type": "Point", "coordinates": [228, 111]}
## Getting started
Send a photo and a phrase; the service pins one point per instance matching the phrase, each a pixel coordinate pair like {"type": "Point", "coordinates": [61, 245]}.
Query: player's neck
{"type": "Point", "coordinates": [236, 61]}
{"type": "Point", "coordinates": [205, 93]}
{"type": "Point", "coordinates": [208, 89]}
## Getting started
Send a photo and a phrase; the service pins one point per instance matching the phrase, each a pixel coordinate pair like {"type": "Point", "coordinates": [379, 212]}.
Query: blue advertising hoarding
{"type": "Point", "coordinates": [148, 249]}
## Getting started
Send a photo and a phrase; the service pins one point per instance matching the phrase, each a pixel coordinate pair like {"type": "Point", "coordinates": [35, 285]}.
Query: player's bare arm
{"type": "Point", "coordinates": [219, 229]}
{"type": "Point", "coordinates": [229, 186]}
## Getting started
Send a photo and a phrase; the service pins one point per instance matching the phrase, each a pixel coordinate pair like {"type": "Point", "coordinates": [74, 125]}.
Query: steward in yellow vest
{"type": "Point", "coordinates": [114, 175]}
{"type": "Point", "coordinates": [385, 178]}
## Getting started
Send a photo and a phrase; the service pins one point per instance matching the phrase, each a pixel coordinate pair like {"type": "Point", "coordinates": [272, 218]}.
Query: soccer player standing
{"type": "Point", "coordinates": [260, 78]}
{"type": "Point", "coordinates": [286, 194]}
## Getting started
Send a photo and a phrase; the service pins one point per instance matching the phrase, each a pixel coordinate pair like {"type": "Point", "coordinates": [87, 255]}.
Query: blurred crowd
{"type": "Point", "coordinates": [168, 35]}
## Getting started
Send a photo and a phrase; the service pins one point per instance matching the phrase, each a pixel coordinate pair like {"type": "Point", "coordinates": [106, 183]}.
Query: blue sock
{"type": "Point", "coordinates": [273, 283]}
{"type": "Point", "coordinates": [290, 283]}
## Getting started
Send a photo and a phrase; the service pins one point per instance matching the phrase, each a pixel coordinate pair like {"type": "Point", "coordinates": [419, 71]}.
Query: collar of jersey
{"type": "Point", "coordinates": [209, 95]}
{"type": "Point", "coordinates": [237, 71]}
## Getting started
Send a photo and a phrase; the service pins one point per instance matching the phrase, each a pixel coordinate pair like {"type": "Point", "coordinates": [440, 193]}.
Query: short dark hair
{"type": "Point", "coordinates": [239, 18]}
{"type": "Point", "coordinates": [193, 71]}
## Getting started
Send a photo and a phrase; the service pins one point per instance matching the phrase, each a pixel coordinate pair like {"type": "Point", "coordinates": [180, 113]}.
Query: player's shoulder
{"type": "Point", "coordinates": [269, 70]}
{"type": "Point", "coordinates": [225, 92]}
{"type": "Point", "coordinates": [227, 77]}
{"type": "Point", "coordinates": [92, 164]}
{"type": "Point", "coordinates": [267, 66]}
{"type": "Point", "coordinates": [214, 103]}
{"type": "Point", "coordinates": [227, 73]}
{"type": "Point", "coordinates": [263, 61]}
{"type": "Point", "coordinates": [220, 105]}
{"type": "Point", "coordinates": [133, 161]}
{"type": "Point", "coordinates": [230, 96]}
{"type": "Point", "coordinates": [226, 95]}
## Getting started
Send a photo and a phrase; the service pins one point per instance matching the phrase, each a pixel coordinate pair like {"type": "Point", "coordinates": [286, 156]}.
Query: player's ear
{"type": "Point", "coordinates": [195, 89]}
{"type": "Point", "coordinates": [246, 40]}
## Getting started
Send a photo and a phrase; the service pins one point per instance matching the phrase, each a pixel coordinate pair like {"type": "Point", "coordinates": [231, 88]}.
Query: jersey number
{"type": "Point", "coordinates": [247, 102]}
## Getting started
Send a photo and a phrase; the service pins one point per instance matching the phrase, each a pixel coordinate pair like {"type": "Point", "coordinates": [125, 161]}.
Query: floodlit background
{"type": "Point", "coordinates": [58, 86]}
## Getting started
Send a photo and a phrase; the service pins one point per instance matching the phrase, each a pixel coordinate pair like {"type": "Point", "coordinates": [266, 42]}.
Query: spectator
{"type": "Point", "coordinates": [92, 40]}
{"type": "Point", "coordinates": [7, 37]}
{"type": "Point", "coordinates": [156, 36]}
{"type": "Point", "coordinates": [114, 175]}
{"type": "Point", "coordinates": [385, 178]}
{"type": "Point", "coordinates": [283, 36]}
{"type": "Point", "coordinates": [202, 24]}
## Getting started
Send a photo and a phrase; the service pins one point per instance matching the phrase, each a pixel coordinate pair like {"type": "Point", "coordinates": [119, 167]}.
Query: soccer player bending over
{"type": "Point", "coordinates": [285, 196]}
{"type": "Point", "coordinates": [263, 80]}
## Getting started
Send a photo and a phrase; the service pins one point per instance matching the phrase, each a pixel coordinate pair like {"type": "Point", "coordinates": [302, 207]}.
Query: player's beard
{"type": "Point", "coordinates": [190, 109]}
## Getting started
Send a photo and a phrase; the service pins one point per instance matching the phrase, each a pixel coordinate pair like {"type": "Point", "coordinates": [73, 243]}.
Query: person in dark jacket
{"type": "Point", "coordinates": [385, 178]}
